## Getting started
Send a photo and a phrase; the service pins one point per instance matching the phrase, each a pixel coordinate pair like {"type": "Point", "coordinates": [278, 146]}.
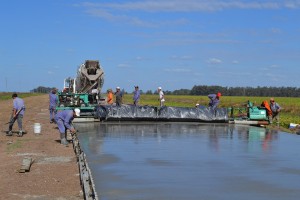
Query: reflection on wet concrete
{"type": "Point", "coordinates": [191, 161]}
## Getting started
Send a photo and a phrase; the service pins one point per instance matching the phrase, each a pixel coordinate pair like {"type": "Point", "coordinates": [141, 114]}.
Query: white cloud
{"type": "Point", "coordinates": [214, 61]}
{"type": "Point", "coordinates": [193, 5]}
{"type": "Point", "coordinates": [178, 70]}
{"type": "Point", "coordinates": [274, 66]}
{"type": "Point", "coordinates": [125, 11]}
{"type": "Point", "coordinates": [234, 74]}
{"type": "Point", "coordinates": [235, 62]}
{"type": "Point", "coordinates": [119, 18]}
{"type": "Point", "coordinates": [139, 58]}
{"type": "Point", "coordinates": [275, 30]}
{"type": "Point", "coordinates": [275, 76]}
{"type": "Point", "coordinates": [122, 65]}
{"type": "Point", "coordinates": [174, 57]}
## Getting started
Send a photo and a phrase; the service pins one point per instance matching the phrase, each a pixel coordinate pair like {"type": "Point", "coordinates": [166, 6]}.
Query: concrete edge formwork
{"type": "Point", "coordinates": [86, 179]}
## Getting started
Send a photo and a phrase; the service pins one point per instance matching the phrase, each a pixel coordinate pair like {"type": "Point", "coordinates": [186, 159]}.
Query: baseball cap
{"type": "Point", "coordinates": [118, 87]}
{"type": "Point", "coordinates": [219, 94]}
{"type": "Point", "coordinates": [159, 88]}
{"type": "Point", "coordinates": [77, 112]}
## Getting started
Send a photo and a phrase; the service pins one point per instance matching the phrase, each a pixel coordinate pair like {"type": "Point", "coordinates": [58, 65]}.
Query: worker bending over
{"type": "Point", "coordinates": [214, 100]}
{"type": "Point", "coordinates": [64, 121]}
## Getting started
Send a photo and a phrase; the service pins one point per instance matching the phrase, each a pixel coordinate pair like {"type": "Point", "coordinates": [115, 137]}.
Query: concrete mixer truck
{"type": "Point", "coordinates": [84, 91]}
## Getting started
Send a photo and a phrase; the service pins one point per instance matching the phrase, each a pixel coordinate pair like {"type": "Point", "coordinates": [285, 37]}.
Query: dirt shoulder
{"type": "Point", "coordinates": [54, 173]}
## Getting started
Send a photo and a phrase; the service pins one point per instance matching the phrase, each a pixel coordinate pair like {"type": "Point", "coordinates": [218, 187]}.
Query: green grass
{"type": "Point", "coordinates": [290, 105]}
{"type": "Point", "coordinates": [7, 95]}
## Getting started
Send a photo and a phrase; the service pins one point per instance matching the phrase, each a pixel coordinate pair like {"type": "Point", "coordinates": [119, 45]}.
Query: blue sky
{"type": "Point", "coordinates": [169, 43]}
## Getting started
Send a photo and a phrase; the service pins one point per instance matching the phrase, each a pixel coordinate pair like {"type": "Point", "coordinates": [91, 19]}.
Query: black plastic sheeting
{"type": "Point", "coordinates": [165, 113]}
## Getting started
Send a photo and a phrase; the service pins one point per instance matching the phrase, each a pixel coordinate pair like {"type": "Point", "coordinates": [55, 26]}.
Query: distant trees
{"type": "Point", "coordinates": [41, 89]}
{"type": "Point", "coordinates": [149, 92]}
{"type": "Point", "coordinates": [247, 91]}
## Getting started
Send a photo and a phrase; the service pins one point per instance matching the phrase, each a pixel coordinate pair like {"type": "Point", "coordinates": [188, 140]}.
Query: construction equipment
{"type": "Point", "coordinates": [90, 76]}
{"type": "Point", "coordinates": [84, 91]}
{"type": "Point", "coordinates": [250, 114]}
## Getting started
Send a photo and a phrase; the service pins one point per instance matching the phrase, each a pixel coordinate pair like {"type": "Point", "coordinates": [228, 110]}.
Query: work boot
{"type": "Point", "coordinates": [63, 139]}
{"type": "Point", "coordinates": [64, 142]}
{"type": "Point", "coordinates": [20, 134]}
{"type": "Point", "coordinates": [9, 133]}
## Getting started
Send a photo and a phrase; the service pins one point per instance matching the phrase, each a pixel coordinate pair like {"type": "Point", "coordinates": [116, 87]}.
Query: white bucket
{"type": "Point", "coordinates": [37, 128]}
{"type": "Point", "coordinates": [292, 125]}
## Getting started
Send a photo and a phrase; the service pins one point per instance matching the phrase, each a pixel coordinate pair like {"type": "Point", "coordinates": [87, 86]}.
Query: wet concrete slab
{"type": "Point", "coordinates": [191, 161]}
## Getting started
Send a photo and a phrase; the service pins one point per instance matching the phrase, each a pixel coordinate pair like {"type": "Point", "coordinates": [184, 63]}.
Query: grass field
{"type": "Point", "coordinates": [290, 106]}
{"type": "Point", "coordinates": [7, 95]}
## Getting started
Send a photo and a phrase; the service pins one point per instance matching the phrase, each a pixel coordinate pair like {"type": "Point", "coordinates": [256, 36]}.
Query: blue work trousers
{"type": "Point", "coordinates": [19, 119]}
{"type": "Point", "coordinates": [53, 112]}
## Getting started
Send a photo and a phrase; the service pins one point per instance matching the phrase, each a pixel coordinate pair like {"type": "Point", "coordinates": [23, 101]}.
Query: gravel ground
{"type": "Point", "coordinates": [54, 172]}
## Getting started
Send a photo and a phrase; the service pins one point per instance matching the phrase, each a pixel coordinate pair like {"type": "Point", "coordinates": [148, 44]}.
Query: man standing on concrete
{"type": "Point", "coordinates": [119, 97]}
{"type": "Point", "coordinates": [214, 100]}
{"type": "Point", "coordinates": [53, 99]}
{"type": "Point", "coordinates": [136, 95]}
{"type": "Point", "coordinates": [275, 108]}
{"type": "Point", "coordinates": [161, 97]}
{"type": "Point", "coordinates": [64, 121]}
{"type": "Point", "coordinates": [17, 114]}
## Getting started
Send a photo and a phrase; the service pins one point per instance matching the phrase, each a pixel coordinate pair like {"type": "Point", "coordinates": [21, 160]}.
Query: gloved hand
{"type": "Point", "coordinates": [73, 131]}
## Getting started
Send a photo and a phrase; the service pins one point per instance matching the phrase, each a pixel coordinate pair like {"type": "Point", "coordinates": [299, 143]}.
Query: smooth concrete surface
{"type": "Point", "coordinates": [143, 161]}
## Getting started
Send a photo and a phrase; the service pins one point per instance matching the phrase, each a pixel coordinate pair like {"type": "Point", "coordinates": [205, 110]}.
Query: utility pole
{"type": "Point", "coordinates": [6, 84]}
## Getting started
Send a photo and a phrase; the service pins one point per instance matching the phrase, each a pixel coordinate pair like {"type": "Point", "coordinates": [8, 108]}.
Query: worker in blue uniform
{"type": "Point", "coordinates": [214, 100]}
{"type": "Point", "coordinates": [17, 114]}
{"type": "Point", "coordinates": [64, 122]}
{"type": "Point", "coordinates": [53, 99]}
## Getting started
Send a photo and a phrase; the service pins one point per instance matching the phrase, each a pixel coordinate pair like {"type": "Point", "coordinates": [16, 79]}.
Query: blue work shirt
{"type": "Point", "coordinates": [66, 116]}
{"type": "Point", "coordinates": [275, 107]}
{"type": "Point", "coordinates": [53, 100]}
{"type": "Point", "coordinates": [18, 104]}
{"type": "Point", "coordinates": [136, 95]}
{"type": "Point", "coordinates": [214, 101]}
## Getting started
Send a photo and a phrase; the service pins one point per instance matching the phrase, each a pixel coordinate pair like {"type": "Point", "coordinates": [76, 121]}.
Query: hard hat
{"type": "Point", "coordinates": [118, 88]}
{"type": "Point", "coordinates": [77, 112]}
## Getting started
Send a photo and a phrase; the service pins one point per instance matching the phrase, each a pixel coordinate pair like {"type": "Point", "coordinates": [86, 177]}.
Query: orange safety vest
{"type": "Point", "coordinates": [267, 106]}
{"type": "Point", "coordinates": [110, 98]}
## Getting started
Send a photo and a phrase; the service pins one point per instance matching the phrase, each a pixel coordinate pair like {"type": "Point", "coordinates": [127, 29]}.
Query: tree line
{"type": "Point", "coordinates": [241, 91]}
{"type": "Point", "coordinates": [41, 89]}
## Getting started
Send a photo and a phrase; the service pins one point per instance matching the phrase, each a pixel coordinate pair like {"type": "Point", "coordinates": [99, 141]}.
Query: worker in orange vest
{"type": "Point", "coordinates": [269, 111]}
{"type": "Point", "coordinates": [110, 96]}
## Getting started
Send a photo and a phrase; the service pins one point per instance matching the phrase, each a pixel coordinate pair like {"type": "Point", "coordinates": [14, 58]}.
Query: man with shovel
{"type": "Point", "coordinates": [17, 114]}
